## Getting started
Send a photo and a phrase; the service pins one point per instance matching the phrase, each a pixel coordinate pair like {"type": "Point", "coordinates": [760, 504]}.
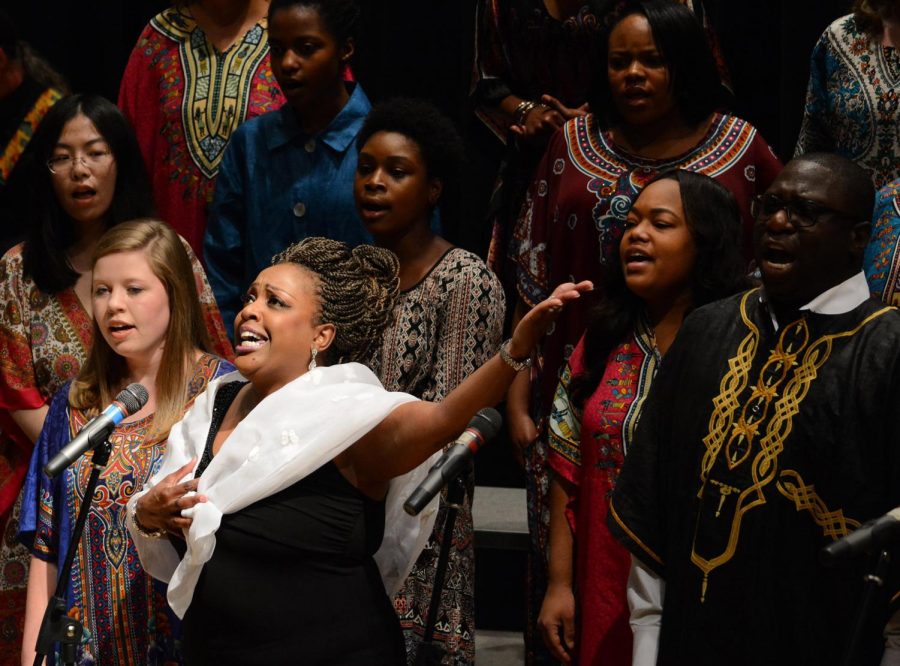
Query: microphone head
{"type": "Point", "coordinates": [487, 422]}
{"type": "Point", "coordinates": [133, 397]}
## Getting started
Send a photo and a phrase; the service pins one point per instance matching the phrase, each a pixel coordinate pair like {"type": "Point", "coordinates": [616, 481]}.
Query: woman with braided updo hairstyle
{"type": "Point", "coordinates": [283, 486]}
{"type": "Point", "coordinates": [341, 275]}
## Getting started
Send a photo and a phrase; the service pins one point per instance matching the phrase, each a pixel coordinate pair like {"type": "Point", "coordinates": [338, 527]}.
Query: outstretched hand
{"type": "Point", "coordinates": [164, 506]}
{"type": "Point", "coordinates": [535, 324]}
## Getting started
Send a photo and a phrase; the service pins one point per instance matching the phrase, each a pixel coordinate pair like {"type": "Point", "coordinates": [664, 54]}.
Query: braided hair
{"type": "Point", "coordinates": [356, 287]}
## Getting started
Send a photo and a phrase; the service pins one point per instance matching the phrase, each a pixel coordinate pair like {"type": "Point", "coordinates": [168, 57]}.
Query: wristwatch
{"type": "Point", "coordinates": [516, 364]}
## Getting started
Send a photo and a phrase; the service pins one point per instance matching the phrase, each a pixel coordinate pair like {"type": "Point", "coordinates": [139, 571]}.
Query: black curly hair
{"type": "Point", "coordinates": [342, 18]}
{"type": "Point", "coordinates": [436, 136]}
{"type": "Point", "coordinates": [719, 270]}
{"type": "Point", "coordinates": [357, 289]}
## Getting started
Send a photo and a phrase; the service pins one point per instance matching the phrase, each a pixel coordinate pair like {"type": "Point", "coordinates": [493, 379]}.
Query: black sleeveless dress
{"type": "Point", "coordinates": [292, 579]}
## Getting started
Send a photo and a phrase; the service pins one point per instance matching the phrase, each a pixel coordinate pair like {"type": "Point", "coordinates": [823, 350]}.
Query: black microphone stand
{"type": "Point", "coordinates": [57, 626]}
{"type": "Point", "coordinates": [872, 583]}
{"type": "Point", "coordinates": [430, 653]}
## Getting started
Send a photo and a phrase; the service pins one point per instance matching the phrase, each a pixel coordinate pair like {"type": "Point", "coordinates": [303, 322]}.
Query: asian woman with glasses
{"type": "Point", "coordinates": [94, 179]}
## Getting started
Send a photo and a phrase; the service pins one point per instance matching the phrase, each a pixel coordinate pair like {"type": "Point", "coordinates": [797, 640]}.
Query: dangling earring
{"type": "Point", "coordinates": [312, 361]}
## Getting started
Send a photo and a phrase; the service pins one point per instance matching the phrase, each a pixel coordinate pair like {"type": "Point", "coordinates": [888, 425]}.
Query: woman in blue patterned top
{"type": "Point", "coordinates": [148, 328]}
{"type": "Point", "coordinates": [851, 103]}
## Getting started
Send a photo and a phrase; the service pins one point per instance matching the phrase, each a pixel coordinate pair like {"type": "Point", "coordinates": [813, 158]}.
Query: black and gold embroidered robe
{"type": "Point", "coordinates": [757, 448]}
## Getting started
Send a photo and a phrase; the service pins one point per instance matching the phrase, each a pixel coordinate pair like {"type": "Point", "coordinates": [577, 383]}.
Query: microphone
{"type": "Point", "coordinates": [95, 432]}
{"type": "Point", "coordinates": [483, 427]}
{"type": "Point", "coordinates": [871, 535]}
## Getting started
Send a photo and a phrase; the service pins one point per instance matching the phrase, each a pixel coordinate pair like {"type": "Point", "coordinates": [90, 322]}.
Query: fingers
{"type": "Point", "coordinates": [179, 524]}
{"type": "Point", "coordinates": [189, 501]}
{"type": "Point", "coordinates": [550, 632]}
{"type": "Point", "coordinates": [568, 632]}
{"type": "Point", "coordinates": [182, 471]}
{"type": "Point", "coordinates": [553, 103]}
{"type": "Point", "coordinates": [566, 112]}
{"type": "Point", "coordinates": [572, 289]}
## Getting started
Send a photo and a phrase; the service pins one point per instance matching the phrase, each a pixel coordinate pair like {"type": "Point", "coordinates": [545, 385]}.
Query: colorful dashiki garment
{"type": "Point", "coordinates": [572, 222]}
{"type": "Point", "coordinates": [445, 328]}
{"type": "Point", "coordinates": [587, 449]}
{"type": "Point", "coordinates": [44, 339]}
{"type": "Point", "coordinates": [882, 259]}
{"type": "Point", "coordinates": [126, 616]}
{"type": "Point", "coordinates": [756, 448]}
{"type": "Point", "coordinates": [853, 100]}
{"type": "Point", "coordinates": [185, 98]}
{"type": "Point", "coordinates": [21, 112]}
{"type": "Point", "coordinates": [521, 50]}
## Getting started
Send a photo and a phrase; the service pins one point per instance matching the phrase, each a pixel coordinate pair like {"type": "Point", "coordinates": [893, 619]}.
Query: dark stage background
{"type": "Point", "coordinates": [424, 48]}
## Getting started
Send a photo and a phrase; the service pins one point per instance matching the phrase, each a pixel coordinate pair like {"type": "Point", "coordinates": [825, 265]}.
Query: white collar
{"type": "Point", "coordinates": [840, 299]}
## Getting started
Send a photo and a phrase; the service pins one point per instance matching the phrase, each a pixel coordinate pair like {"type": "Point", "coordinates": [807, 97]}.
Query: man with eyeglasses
{"type": "Point", "coordinates": [771, 431]}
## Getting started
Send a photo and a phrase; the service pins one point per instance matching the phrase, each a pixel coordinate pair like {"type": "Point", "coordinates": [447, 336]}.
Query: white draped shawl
{"type": "Point", "coordinates": [288, 435]}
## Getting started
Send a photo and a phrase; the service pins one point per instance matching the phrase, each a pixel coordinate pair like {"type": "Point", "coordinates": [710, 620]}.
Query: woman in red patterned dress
{"type": "Point", "coordinates": [680, 250]}
{"type": "Point", "coordinates": [198, 70]}
{"type": "Point", "coordinates": [658, 105]}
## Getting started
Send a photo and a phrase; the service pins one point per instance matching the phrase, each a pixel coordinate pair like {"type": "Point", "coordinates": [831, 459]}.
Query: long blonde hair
{"type": "Point", "coordinates": [104, 373]}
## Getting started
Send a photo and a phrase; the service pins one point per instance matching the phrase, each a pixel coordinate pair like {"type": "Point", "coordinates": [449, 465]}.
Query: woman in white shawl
{"type": "Point", "coordinates": [279, 484]}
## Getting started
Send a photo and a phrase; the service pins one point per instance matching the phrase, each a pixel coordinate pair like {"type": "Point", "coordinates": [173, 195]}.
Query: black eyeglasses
{"type": "Point", "coordinates": [801, 213]}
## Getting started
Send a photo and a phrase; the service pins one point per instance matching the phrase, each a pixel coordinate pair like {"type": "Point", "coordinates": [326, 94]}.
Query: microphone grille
{"type": "Point", "coordinates": [487, 422]}
{"type": "Point", "coordinates": [133, 397]}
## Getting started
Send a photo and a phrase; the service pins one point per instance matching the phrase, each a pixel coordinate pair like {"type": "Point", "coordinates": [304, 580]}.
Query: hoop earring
{"type": "Point", "coordinates": [312, 361]}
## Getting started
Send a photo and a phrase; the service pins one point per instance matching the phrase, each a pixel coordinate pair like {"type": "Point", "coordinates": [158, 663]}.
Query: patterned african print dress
{"type": "Point", "coordinates": [446, 327]}
{"type": "Point", "coordinates": [185, 98]}
{"type": "Point", "coordinates": [572, 222]}
{"type": "Point", "coordinates": [853, 100]}
{"type": "Point", "coordinates": [587, 448]}
{"type": "Point", "coordinates": [522, 50]}
{"type": "Point", "coordinates": [882, 258]}
{"type": "Point", "coordinates": [126, 616]}
{"type": "Point", "coordinates": [44, 339]}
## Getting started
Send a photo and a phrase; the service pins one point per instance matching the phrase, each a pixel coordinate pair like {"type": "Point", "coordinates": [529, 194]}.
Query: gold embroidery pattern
{"type": "Point", "coordinates": [733, 383]}
{"type": "Point", "coordinates": [833, 523]}
{"type": "Point", "coordinates": [792, 340]}
{"type": "Point", "coordinates": [764, 467]}
{"type": "Point", "coordinates": [634, 537]}
{"type": "Point", "coordinates": [216, 84]}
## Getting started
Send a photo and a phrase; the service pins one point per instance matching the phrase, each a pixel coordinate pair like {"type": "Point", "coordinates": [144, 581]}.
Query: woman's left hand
{"type": "Point", "coordinates": [535, 324]}
{"type": "Point", "coordinates": [164, 504]}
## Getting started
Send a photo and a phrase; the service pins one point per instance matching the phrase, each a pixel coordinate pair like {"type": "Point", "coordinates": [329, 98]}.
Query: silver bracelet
{"type": "Point", "coordinates": [522, 110]}
{"type": "Point", "coordinates": [515, 364]}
